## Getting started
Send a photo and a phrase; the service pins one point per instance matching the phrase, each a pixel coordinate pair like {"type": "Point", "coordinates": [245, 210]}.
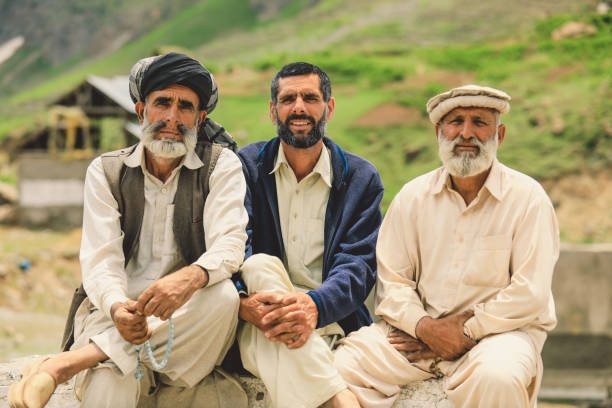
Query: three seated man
{"type": "Point", "coordinates": [465, 257]}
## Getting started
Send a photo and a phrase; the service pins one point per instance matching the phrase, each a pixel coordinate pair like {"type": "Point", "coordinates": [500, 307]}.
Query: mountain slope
{"type": "Point", "coordinates": [385, 60]}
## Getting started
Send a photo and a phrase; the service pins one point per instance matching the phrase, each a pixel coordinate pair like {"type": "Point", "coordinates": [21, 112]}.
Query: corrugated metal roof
{"type": "Point", "coordinates": [116, 88]}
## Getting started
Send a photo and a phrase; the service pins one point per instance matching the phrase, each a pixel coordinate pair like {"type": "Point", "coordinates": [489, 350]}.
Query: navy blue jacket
{"type": "Point", "coordinates": [352, 221]}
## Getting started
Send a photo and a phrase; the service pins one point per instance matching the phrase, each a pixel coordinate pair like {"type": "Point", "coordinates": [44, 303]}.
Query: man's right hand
{"type": "Point", "coordinates": [256, 306]}
{"type": "Point", "coordinates": [413, 349]}
{"type": "Point", "coordinates": [445, 336]}
{"type": "Point", "coordinates": [131, 325]}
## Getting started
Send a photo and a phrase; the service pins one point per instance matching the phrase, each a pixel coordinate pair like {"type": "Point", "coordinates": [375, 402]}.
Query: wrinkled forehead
{"type": "Point", "coordinates": [470, 112]}
{"type": "Point", "coordinates": [175, 92]}
{"type": "Point", "coordinates": [299, 84]}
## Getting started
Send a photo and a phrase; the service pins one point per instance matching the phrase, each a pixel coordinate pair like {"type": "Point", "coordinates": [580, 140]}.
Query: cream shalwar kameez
{"type": "Point", "coordinates": [436, 256]}
{"type": "Point", "coordinates": [205, 326]}
{"type": "Point", "coordinates": [303, 377]}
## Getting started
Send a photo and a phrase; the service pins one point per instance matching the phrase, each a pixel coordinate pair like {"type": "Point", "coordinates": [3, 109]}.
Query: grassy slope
{"type": "Point", "coordinates": [561, 90]}
{"type": "Point", "coordinates": [561, 98]}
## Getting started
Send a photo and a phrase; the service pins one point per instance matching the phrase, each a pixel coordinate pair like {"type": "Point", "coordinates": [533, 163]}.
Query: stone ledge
{"type": "Point", "coordinates": [422, 394]}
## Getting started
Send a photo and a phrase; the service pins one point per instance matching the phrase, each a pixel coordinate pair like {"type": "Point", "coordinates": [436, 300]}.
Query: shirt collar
{"type": "Point", "coordinates": [442, 180]}
{"type": "Point", "coordinates": [493, 183]}
{"type": "Point", "coordinates": [136, 158]}
{"type": "Point", "coordinates": [322, 167]}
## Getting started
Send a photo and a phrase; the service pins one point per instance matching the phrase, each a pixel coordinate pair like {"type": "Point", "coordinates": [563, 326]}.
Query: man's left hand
{"type": "Point", "coordinates": [167, 294]}
{"type": "Point", "coordinates": [294, 321]}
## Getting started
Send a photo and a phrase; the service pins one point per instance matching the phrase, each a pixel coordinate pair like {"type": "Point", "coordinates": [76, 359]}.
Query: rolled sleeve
{"type": "Point", "coordinates": [225, 219]}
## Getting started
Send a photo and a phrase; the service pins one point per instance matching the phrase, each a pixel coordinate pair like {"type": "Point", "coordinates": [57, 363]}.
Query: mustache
{"type": "Point", "coordinates": [472, 140]}
{"type": "Point", "coordinates": [299, 117]}
{"type": "Point", "coordinates": [155, 127]}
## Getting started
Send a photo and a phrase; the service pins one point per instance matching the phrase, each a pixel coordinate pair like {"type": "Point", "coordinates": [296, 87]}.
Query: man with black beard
{"type": "Point", "coordinates": [465, 261]}
{"type": "Point", "coordinates": [313, 221]}
{"type": "Point", "coordinates": [163, 230]}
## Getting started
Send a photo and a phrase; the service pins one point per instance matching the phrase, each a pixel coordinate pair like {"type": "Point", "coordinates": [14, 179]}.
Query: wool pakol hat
{"type": "Point", "coordinates": [155, 73]}
{"type": "Point", "coordinates": [467, 96]}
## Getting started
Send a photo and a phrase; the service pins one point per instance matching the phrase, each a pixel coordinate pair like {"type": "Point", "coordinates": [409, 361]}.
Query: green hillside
{"type": "Point", "coordinates": [385, 60]}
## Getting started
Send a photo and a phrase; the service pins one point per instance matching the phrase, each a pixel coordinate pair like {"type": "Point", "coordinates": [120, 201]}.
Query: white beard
{"type": "Point", "coordinates": [168, 148]}
{"type": "Point", "coordinates": [466, 164]}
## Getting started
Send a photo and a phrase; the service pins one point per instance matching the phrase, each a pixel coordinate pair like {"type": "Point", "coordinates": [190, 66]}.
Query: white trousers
{"type": "Point", "coordinates": [502, 370]}
{"type": "Point", "coordinates": [204, 330]}
{"type": "Point", "coordinates": [303, 377]}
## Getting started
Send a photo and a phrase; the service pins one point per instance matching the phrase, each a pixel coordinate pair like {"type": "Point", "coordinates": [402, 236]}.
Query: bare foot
{"type": "Point", "coordinates": [343, 399]}
{"type": "Point", "coordinates": [40, 380]}
{"type": "Point", "coordinates": [66, 365]}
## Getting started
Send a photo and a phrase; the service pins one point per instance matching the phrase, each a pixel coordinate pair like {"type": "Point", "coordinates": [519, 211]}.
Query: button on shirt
{"type": "Point", "coordinates": [302, 208]}
{"type": "Point", "coordinates": [436, 256]}
{"type": "Point", "coordinates": [105, 278]}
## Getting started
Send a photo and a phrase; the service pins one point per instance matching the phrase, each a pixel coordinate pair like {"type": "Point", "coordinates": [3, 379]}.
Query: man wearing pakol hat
{"type": "Point", "coordinates": [465, 261]}
{"type": "Point", "coordinates": [163, 230]}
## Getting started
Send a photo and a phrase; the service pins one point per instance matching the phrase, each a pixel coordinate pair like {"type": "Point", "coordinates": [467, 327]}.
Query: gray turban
{"type": "Point", "coordinates": [159, 72]}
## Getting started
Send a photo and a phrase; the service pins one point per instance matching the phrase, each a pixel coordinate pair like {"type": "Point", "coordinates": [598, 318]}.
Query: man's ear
{"type": "Point", "coordinates": [272, 112]}
{"type": "Point", "coordinates": [139, 107]}
{"type": "Point", "coordinates": [331, 107]}
{"type": "Point", "coordinates": [501, 133]}
{"type": "Point", "coordinates": [202, 118]}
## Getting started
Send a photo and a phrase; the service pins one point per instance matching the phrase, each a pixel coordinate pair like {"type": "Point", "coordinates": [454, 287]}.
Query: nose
{"type": "Point", "coordinates": [298, 105]}
{"type": "Point", "coordinates": [467, 130]}
{"type": "Point", "coordinates": [171, 114]}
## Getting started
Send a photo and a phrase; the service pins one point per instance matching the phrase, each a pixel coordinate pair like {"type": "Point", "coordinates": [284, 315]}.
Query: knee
{"type": "Point", "coordinates": [499, 376]}
{"type": "Point", "coordinates": [225, 297]}
{"type": "Point", "coordinates": [343, 360]}
{"type": "Point", "coordinates": [100, 381]}
{"type": "Point", "coordinates": [258, 262]}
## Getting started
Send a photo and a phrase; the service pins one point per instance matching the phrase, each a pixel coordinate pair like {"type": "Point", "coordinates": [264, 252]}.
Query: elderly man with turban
{"type": "Point", "coordinates": [163, 230]}
{"type": "Point", "coordinates": [465, 261]}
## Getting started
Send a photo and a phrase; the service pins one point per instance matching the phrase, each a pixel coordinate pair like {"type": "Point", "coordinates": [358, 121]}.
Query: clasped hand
{"type": "Point", "coordinates": [161, 299]}
{"type": "Point", "coordinates": [287, 318]}
{"type": "Point", "coordinates": [442, 338]}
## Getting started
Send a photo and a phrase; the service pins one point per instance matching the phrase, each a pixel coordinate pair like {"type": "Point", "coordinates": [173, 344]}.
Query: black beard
{"type": "Point", "coordinates": [317, 133]}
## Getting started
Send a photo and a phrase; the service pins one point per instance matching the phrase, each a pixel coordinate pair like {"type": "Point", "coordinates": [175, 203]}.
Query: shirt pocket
{"type": "Point", "coordinates": [489, 262]}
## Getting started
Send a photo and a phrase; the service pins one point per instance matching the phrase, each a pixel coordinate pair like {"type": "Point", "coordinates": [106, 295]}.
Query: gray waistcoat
{"type": "Point", "coordinates": [127, 187]}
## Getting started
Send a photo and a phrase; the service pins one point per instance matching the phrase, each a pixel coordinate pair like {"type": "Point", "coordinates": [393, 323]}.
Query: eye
{"type": "Point", "coordinates": [185, 105]}
{"type": "Point", "coordinates": [287, 99]}
{"type": "Point", "coordinates": [311, 98]}
{"type": "Point", "coordinates": [161, 102]}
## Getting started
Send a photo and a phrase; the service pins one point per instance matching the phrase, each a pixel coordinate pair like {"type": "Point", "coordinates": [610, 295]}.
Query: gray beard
{"type": "Point", "coordinates": [168, 148]}
{"type": "Point", "coordinates": [466, 164]}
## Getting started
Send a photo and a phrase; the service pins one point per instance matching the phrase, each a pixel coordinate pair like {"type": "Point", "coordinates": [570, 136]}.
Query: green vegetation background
{"type": "Point", "coordinates": [559, 122]}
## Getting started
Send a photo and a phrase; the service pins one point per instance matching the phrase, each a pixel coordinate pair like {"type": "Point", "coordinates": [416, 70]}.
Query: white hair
{"type": "Point", "coordinates": [168, 148]}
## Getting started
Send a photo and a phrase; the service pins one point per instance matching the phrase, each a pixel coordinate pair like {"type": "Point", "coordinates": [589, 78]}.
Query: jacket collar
{"type": "Point", "coordinates": [266, 158]}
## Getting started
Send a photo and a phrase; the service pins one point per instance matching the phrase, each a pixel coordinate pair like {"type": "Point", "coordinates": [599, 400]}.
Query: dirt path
{"type": "Point", "coordinates": [24, 333]}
